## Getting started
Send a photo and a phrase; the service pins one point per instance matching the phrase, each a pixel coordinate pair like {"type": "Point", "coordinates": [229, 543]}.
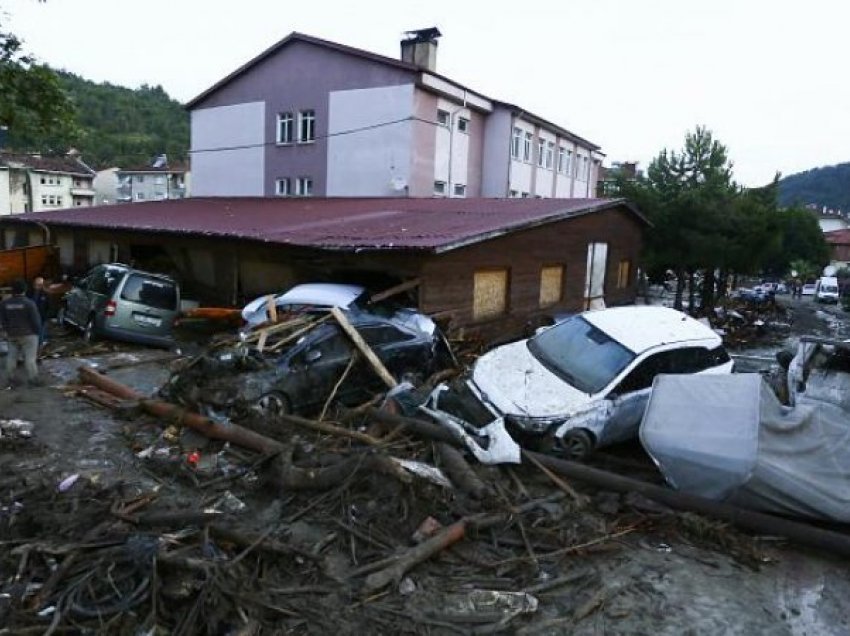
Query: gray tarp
{"type": "Point", "coordinates": [727, 438]}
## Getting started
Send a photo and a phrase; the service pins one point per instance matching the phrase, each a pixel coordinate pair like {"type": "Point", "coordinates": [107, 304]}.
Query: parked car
{"type": "Point", "coordinates": [117, 301]}
{"type": "Point", "coordinates": [808, 289]}
{"type": "Point", "coordinates": [305, 297]}
{"type": "Point", "coordinates": [584, 383]}
{"type": "Point", "coordinates": [300, 379]}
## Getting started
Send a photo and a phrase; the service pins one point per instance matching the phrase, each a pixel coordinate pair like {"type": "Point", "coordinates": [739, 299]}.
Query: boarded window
{"type": "Point", "coordinates": [623, 274]}
{"type": "Point", "coordinates": [490, 293]}
{"type": "Point", "coordinates": [551, 285]}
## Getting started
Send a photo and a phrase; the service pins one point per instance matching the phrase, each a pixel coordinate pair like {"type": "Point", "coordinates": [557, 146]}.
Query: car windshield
{"type": "Point", "coordinates": [580, 354]}
{"type": "Point", "coordinates": [830, 289]}
{"type": "Point", "coordinates": [153, 292]}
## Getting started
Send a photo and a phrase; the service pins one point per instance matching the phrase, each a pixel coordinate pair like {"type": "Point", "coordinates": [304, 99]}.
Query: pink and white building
{"type": "Point", "coordinates": [309, 117]}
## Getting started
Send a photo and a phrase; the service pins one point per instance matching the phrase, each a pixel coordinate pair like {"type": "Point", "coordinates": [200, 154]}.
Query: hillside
{"type": "Point", "coordinates": [827, 186]}
{"type": "Point", "coordinates": [119, 126]}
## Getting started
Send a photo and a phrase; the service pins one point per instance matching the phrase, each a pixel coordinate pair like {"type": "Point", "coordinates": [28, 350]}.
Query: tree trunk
{"type": "Point", "coordinates": [680, 289]}
{"type": "Point", "coordinates": [722, 283]}
{"type": "Point", "coordinates": [691, 293]}
{"type": "Point", "coordinates": [708, 282]}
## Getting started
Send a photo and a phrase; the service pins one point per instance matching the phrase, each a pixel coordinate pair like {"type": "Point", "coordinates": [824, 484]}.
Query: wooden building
{"type": "Point", "coordinates": [492, 266]}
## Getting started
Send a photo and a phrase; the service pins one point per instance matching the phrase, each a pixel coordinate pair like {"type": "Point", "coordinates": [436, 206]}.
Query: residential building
{"type": "Point", "coordinates": [157, 182]}
{"type": "Point", "coordinates": [830, 220]}
{"type": "Point", "coordinates": [309, 117]}
{"type": "Point", "coordinates": [493, 267]}
{"type": "Point", "coordinates": [839, 247]}
{"type": "Point", "coordinates": [32, 182]}
{"type": "Point", "coordinates": [106, 186]}
{"type": "Point", "coordinates": [608, 177]}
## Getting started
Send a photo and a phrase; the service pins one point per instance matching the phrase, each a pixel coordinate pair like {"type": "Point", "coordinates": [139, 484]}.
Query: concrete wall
{"type": "Point", "coordinates": [369, 160]}
{"type": "Point", "coordinates": [228, 152]}
{"type": "Point", "coordinates": [496, 154]}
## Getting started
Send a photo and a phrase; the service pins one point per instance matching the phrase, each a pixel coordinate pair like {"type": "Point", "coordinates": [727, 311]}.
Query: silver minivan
{"type": "Point", "coordinates": [119, 302]}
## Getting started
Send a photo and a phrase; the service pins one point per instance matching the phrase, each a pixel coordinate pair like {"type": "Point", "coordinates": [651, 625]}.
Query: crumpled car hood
{"type": "Point", "coordinates": [514, 382]}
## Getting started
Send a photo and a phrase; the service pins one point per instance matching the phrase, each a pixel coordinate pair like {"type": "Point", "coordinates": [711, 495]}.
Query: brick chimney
{"type": "Point", "coordinates": [420, 48]}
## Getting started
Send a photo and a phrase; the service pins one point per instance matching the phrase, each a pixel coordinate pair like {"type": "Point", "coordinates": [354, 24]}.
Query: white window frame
{"type": "Point", "coordinates": [550, 154]}
{"type": "Point", "coordinates": [283, 187]}
{"type": "Point", "coordinates": [541, 147]}
{"type": "Point", "coordinates": [140, 178]}
{"type": "Point", "coordinates": [463, 125]}
{"type": "Point", "coordinates": [562, 153]}
{"type": "Point", "coordinates": [514, 194]}
{"type": "Point", "coordinates": [285, 128]}
{"type": "Point", "coordinates": [459, 190]}
{"type": "Point", "coordinates": [443, 117]}
{"type": "Point", "coordinates": [440, 188]}
{"type": "Point", "coordinates": [525, 195]}
{"type": "Point", "coordinates": [304, 187]}
{"type": "Point", "coordinates": [306, 126]}
{"type": "Point", "coordinates": [516, 142]}
{"type": "Point", "coordinates": [568, 164]}
{"type": "Point", "coordinates": [526, 148]}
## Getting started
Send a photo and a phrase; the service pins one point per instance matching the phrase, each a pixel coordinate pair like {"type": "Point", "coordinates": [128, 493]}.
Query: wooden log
{"type": "Point", "coordinates": [330, 429]}
{"type": "Point", "coordinates": [413, 283]}
{"type": "Point", "coordinates": [799, 532]}
{"type": "Point", "coordinates": [460, 472]}
{"type": "Point", "coordinates": [271, 308]}
{"type": "Point", "coordinates": [226, 432]}
{"type": "Point", "coordinates": [364, 348]}
{"type": "Point", "coordinates": [421, 428]}
{"type": "Point", "coordinates": [414, 556]}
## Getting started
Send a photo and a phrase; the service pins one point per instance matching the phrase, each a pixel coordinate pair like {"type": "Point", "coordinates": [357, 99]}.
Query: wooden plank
{"type": "Point", "coordinates": [397, 289]}
{"type": "Point", "coordinates": [271, 308]}
{"type": "Point", "coordinates": [364, 348]}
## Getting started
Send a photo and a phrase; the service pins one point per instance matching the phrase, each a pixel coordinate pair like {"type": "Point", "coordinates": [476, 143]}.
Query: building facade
{"type": "Point", "coordinates": [310, 117]}
{"type": "Point", "coordinates": [33, 183]}
{"type": "Point", "coordinates": [157, 182]}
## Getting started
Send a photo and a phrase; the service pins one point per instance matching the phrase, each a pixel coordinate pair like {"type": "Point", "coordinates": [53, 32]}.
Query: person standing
{"type": "Point", "coordinates": [20, 320]}
{"type": "Point", "coordinates": [42, 302]}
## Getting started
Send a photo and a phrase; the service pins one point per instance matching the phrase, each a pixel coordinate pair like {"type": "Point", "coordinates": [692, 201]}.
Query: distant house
{"type": "Point", "coordinates": [309, 117]}
{"type": "Point", "coordinates": [156, 182]}
{"type": "Point", "coordinates": [495, 267]}
{"type": "Point", "coordinates": [839, 247]}
{"type": "Point", "coordinates": [106, 186]}
{"type": "Point", "coordinates": [33, 182]}
{"type": "Point", "coordinates": [830, 220]}
{"type": "Point", "coordinates": [608, 177]}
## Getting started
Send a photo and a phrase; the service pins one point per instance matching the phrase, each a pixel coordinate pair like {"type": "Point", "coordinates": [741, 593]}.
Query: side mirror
{"type": "Point", "coordinates": [313, 355]}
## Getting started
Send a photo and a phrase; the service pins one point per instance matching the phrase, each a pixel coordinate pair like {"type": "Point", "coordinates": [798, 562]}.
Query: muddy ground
{"type": "Point", "coordinates": [632, 567]}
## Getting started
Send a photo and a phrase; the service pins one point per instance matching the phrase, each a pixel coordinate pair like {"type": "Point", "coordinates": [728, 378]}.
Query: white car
{"type": "Point", "coordinates": [585, 382]}
{"type": "Point", "coordinates": [808, 289]}
{"type": "Point", "coordinates": [305, 297]}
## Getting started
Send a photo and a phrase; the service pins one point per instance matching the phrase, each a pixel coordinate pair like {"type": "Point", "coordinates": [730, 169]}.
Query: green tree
{"type": "Point", "coordinates": [32, 102]}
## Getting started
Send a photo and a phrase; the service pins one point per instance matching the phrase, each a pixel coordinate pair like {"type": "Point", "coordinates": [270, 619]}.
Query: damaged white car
{"type": "Point", "coordinates": [585, 382]}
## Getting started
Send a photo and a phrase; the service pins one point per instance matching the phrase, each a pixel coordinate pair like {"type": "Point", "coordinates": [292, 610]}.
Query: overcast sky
{"type": "Point", "coordinates": [632, 76]}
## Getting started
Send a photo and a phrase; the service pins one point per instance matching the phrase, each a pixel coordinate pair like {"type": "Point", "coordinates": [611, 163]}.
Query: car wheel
{"type": "Point", "coordinates": [90, 331]}
{"type": "Point", "coordinates": [576, 444]}
{"type": "Point", "coordinates": [274, 405]}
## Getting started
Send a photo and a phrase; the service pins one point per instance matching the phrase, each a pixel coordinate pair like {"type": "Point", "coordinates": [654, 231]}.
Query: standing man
{"type": "Point", "coordinates": [41, 300]}
{"type": "Point", "coordinates": [20, 320]}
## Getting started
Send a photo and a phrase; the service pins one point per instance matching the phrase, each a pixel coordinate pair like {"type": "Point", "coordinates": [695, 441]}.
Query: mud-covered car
{"type": "Point", "coordinates": [301, 378]}
{"type": "Point", "coordinates": [585, 382]}
{"type": "Point", "coordinates": [305, 298]}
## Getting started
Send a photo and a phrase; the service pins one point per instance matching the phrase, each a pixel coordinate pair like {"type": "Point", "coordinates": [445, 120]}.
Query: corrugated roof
{"type": "Point", "coordinates": [63, 164]}
{"type": "Point", "coordinates": [435, 225]}
{"type": "Point", "coordinates": [837, 237]}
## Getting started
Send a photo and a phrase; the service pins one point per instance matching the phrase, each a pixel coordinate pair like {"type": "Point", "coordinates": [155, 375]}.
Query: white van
{"type": "Point", "coordinates": [826, 290]}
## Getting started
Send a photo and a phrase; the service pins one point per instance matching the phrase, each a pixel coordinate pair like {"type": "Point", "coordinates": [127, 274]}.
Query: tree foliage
{"type": "Point", "coordinates": [704, 222]}
{"type": "Point", "coordinates": [32, 99]}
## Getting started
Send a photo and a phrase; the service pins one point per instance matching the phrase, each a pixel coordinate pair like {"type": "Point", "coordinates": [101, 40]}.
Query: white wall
{"type": "Point", "coordinates": [239, 170]}
{"type": "Point", "coordinates": [5, 202]}
{"type": "Point", "coordinates": [495, 175]}
{"type": "Point", "coordinates": [826, 225]}
{"type": "Point", "coordinates": [365, 163]}
{"type": "Point", "coordinates": [454, 145]}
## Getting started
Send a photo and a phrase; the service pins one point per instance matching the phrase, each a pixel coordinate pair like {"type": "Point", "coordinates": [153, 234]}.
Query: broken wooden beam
{"type": "Point", "coordinates": [407, 285]}
{"type": "Point", "coordinates": [364, 348]}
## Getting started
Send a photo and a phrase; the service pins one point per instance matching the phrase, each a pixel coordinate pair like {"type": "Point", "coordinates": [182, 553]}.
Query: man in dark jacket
{"type": "Point", "coordinates": [20, 320]}
{"type": "Point", "coordinates": [39, 296]}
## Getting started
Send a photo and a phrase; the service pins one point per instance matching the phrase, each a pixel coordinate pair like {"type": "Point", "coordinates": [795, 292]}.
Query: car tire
{"type": "Point", "coordinates": [576, 445]}
{"type": "Point", "coordinates": [90, 331]}
{"type": "Point", "coordinates": [274, 405]}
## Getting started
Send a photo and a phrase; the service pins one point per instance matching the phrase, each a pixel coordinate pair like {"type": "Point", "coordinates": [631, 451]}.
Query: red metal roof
{"type": "Point", "coordinates": [436, 225]}
{"type": "Point", "coordinates": [837, 237]}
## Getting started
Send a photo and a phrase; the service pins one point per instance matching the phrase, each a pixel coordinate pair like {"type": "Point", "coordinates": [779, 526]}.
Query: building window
{"type": "Point", "coordinates": [516, 140]}
{"type": "Point", "coordinates": [43, 200]}
{"type": "Point", "coordinates": [514, 194]}
{"type": "Point", "coordinates": [282, 187]}
{"type": "Point", "coordinates": [525, 195]}
{"type": "Point", "coordinates": [550, 154]}
{"type": "Point", "coordinates": [586, 167]}
{"type": "Point", "coordinates": [540, 147]}
{"type": "Point", "coordinates": [443, 117]}
{"type": "Point", "coordinates": [569, 161]}
{"type": "Point", "coordinates": [307, 126]}
{"type": "Point", "coordinates": [624, 272]}
{"type": "Point", "coordinates": [459, 190]}
{"type": "Point", "coordinates": [490, 294]}
{"type": "Point", "coordinates": [140, 196]}
{"type": "Point", "coordinates": [526, 149]}
{"type": "Point", "coordinates": [78, 203]}
{"type": "Point", "coordinates": [562, 158]}
{"type": "Point", "coordinates": [304, 187]}
{"type": "Point", "coordinates": [285, 128]}
{"type": "Point", "coordinates": [59, 201]}
{"type": "Point", "coordinates": [440, 188]}
{"type": "Point", "coordinates": [551, 285]}
{"type": "Point", "coordinates": [462, 125]}
{"type": "Point", "coordinates": [43, 181]}
{"type": "Point", "coordinates": [140, 178]}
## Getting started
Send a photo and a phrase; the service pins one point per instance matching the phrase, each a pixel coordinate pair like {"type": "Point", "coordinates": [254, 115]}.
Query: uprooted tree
{"type": "Point", "coordinates": [707, 227]}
